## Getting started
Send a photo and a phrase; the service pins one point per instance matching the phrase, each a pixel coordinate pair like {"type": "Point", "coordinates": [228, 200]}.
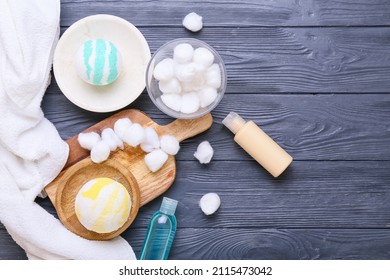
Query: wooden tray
{"type": "Point", "coordinates": [139, 179]}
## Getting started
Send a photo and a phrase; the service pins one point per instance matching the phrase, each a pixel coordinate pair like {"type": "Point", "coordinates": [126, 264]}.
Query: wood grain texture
{"type": "Point", "coordinates": [339, 194]}
{"type": "Point", "coordinates": [235, 13]}
{"type": "Point", "coordinates": [256, 244]}
{"type": "Point", "coordinates": [298, 60]}
{"type": "Point", "coordinates": [278, 244]}
{"type": "Point", "coordinates": [79, 174]}
{"type": "Point", "coordinates": [315, 76]}
{"type": "Point", "coordinates": [311, 60]}
{"type": "Point", "coordinates": [182, 129]}
{"type": "Point", "coordinates": [309, 127]}
{"type": "Point", "coordinates": [126, 166]}
{"type": "Point", "coordinates": [9, 250]}
{"type": "Point", "coordinates": [150, 184]}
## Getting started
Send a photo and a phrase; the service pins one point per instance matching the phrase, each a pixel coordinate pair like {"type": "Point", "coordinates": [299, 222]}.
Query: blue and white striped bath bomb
{"type": "Point", "coordinates": [98, 62]}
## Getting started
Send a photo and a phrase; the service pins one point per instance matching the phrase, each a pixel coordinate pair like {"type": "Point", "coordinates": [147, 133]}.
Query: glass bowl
{"type": "Point", "coordinates": [152, 85]}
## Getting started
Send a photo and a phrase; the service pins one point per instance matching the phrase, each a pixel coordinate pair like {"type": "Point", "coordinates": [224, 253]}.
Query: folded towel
{"type": "Point", "coordinates": [31, 152]}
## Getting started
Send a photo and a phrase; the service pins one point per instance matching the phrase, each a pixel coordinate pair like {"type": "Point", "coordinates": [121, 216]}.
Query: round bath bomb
{"type": "Point", "coordinates": [103, 205]}
{"type": "Point", "coordinates": [98, 62]}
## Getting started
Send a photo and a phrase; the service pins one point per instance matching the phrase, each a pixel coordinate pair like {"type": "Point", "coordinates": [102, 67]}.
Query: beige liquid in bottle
{"type": "Point", "coordinates": [258, 144]}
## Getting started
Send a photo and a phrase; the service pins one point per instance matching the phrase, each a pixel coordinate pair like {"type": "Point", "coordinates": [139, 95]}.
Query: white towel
{"type": "Point", "coordinates": [31, 152]}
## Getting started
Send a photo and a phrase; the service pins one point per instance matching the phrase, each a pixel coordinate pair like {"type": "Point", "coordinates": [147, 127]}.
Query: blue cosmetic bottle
{"type": "Point", "coordinates": [161, 232]}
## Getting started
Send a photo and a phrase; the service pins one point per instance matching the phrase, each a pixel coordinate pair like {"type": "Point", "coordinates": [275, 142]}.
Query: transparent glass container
{"type": "Point", "coordinates": [166, 51]}
{"type": "Point", "coordinates": [161, 232]}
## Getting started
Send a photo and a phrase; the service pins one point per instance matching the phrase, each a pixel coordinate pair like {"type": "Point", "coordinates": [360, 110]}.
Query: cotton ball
{"type": "Point", "coordinates": [213, 76]}
{"type": "Point", "coordinates": [183, 53]}
{"type": "Point", "coordinates": [112, 139]}
{"type": "Point", "coordinates": [193, 22]}
{"type": "Point", "coordinates": [155, 159]}
{"type": "Point", "coordinates": [185, 72]}
{"type": "Point", "coordinates": [88, 140]}
{"type": "Point", "coordinates": [204, 152]}
{"type": "Point", "coordinates": [172, 101]}
{"type": "Point", "coordinates": [187, 87]}
{"type": "Point", "coordinates": [203, 57]}
{"type": "Point", "coordinates": [164, 70]}
{"type": "Point", "coordinates": [207, 96]}
{"type": "Point", "coordinates": [170, 144]}
{"type": "Point", "coordinates": [121, 125]}
{"type": "Point", "coordinates": [100, 152]}
{"type": "Point", "coordinates": [135, 135]}
{"type": "Point", "coordinates": [197, 82]}
{"type": "Point", "coordinates": [171, 86]}
{"type": "Point", "coordinates": [209, 203]}
{"type": "Point", "coordinates": [151, 141]}
{"type": "Point", "coordinates": [190, 103]}
{"type": "Point", "coordinates": [147, 148]}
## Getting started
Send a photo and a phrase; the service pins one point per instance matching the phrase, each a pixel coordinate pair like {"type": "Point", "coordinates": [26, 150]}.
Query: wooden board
{"type": "Point", "coordinates": [334, 120]}
{"type": "Point", "coordinates": [76, 176]}
{"type": "Point", "coordinates": [274, 244]}
{"type": "Point", "coordinates": [311, 127]}
{"type": "Point", "coordinates": [256, 244]}
{"type": "Point", "coordinates": [295, 60]}
{"type": "Point", "coordinates": [127, 166]}
{"type": "Point", "coordinates": [235, 13]}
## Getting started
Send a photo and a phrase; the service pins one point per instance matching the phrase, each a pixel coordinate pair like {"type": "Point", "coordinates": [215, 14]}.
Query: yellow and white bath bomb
{"type": "Point", "coordinates": [103, 205]}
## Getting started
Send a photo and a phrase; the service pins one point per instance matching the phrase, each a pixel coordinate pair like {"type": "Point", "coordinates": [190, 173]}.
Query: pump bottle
{"type": "Point", "coordinates": [258, 144]}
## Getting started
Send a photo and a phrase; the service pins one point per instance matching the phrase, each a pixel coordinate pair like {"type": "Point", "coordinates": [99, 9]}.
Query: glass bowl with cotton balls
{"type": "Point", "coordinates": [186, 78]}
{"type": "Point", "coordinates": [98, 62]}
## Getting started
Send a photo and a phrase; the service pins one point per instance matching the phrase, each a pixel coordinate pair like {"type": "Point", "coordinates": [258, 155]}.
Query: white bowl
{"type": "Point", "coordinates": [133, 49]}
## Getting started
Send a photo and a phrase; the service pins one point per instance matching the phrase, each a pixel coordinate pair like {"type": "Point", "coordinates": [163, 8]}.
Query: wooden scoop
{"type": "Point", "coordinates": [125, 166]}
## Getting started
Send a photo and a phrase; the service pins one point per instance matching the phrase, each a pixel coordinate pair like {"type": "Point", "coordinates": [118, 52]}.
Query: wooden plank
{"type": "Point", "coordinates": [298, 60]}
{"type": "Point", "coordinates": [236, 13]}
{"type": "Point", "coordinates": [283, 60]}
{"type": "Point", "coordinates": [310, 127]}
{"type": "Point", "coordinates": [255, 244]}
{"type": "Point", "coordinates": [9, 250]}
{"type": "Point", "coordinates": [278, 244]}
{"type": "Point", "coordinates": [329, 195]}
{"type": "Point", "coordinates": [339, 194]}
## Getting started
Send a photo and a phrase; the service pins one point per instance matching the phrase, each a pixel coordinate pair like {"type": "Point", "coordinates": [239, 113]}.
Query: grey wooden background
{"type": "Point", "coordinates": [315, 75]}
